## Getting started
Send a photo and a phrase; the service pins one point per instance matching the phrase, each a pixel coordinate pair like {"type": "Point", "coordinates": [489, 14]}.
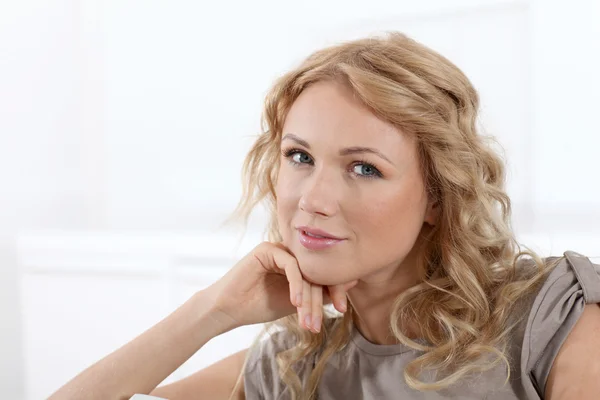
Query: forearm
{"type": "Point", "coordinates": [142, 364]}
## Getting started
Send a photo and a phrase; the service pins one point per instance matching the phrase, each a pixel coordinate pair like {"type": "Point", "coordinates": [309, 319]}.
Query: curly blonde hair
{"type": "Point", "coordinates": [468, 263]}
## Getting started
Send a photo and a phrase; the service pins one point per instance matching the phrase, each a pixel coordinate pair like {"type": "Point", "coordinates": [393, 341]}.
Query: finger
{"type": "Point", "coordinates": [316, 306]}
{"type": "Point", "coordinates": [274, 257]}
{"type": "Point", "coordinates": [338, 295]}
{"type": "Point", "coordinates": [299, 288]}
{"type": "Point", "coordinates": [305, 315]}
{"type": "Point", "coordinates": [327, 298]}
{"type": "Point", "coordinates": [289, 265]}
{"type": "Point", "coordinates": [349, 285]}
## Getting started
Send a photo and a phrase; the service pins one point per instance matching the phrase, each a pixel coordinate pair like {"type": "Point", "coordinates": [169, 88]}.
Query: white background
{"type": "Point", "coordinates": [123, 125]}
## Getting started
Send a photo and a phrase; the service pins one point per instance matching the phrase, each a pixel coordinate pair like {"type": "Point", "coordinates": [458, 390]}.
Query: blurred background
{"type": "Point", "coordinates": [123, 126]}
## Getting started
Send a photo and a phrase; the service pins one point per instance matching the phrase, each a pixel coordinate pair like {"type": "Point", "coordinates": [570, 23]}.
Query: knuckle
{"type": "Point", "coordinates": [259, 250]}
{"type": "Point", "coordinates": [263, 246]}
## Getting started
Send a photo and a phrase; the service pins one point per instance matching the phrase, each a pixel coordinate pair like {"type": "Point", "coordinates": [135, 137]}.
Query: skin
{"type": "Point", "coordinates": [375, 200]}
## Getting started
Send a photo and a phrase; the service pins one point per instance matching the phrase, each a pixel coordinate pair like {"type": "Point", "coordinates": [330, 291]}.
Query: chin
{"type": "Point", "coordinates": [319, 268]}
{"type": "Point", "coordinates": [321, 273]}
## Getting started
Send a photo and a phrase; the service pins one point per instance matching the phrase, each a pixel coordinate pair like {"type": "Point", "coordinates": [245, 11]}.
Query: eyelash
{"type": "Point", "coordinates": [287, 153]}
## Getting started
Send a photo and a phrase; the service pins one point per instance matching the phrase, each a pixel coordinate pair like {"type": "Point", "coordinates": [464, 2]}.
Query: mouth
{"type": "Point", "coordinates": [317, 233]}
{"type": "Point", "coordinates": [316, 239]}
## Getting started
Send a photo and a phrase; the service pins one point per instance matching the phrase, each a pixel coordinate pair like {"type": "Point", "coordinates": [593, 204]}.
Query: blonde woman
{"type": "Point", "coordinates": [387, 202]}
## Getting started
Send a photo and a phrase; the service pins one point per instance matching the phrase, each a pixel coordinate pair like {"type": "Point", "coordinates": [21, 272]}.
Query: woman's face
{"type": "Point", "coordinates": [351, 176]}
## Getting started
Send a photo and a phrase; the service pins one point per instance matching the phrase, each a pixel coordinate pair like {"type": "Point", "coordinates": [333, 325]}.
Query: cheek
{"type": "Point", "coordinates": [398, 214]}
{"type": "Point", "coordinates": [286, 205]}
{"type": "Point", "coordinates": [391, 226]}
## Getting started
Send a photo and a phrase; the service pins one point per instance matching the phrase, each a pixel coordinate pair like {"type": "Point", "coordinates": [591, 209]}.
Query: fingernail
{"type": "Point", "coordinates": [307, 321]}
{"type": "Point", "coordinates": [299, 299]}
{"type": "Point", "coordinates": [317, 324]}
{"type": "Point", "coordinates": [343, 305]}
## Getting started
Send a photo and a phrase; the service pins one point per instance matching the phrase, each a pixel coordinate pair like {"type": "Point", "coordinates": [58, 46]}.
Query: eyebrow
{"type": "Point", "coordinates": [344, 152]}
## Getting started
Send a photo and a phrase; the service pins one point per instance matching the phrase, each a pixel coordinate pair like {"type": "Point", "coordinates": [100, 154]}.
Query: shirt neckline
{"type": "Point", "coordinates": [380, 349]}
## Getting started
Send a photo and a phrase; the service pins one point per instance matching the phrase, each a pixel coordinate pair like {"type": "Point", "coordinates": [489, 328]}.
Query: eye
{"type": "Point", "coordinates": [297, 157]}
{"type": "Point", "coordinates": [301, 158]}
{"type": "Point", "coordinates": [366, 170]}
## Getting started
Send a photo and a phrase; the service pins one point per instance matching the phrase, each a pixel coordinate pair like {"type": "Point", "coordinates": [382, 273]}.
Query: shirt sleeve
{"type": "Point", "coordinates": [261, 374]}
{"type": "Point", "coordinates": [572, 284]}
{"type": "Point", "coordinates": [253, 381]}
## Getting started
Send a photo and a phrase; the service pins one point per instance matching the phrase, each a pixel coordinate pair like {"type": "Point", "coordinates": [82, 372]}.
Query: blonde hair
{"type": "Point", "coordinates": [468, 262]}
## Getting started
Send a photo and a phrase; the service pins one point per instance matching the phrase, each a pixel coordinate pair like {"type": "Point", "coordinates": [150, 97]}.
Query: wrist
{"type": "Point", "coordinates": [211, 314]}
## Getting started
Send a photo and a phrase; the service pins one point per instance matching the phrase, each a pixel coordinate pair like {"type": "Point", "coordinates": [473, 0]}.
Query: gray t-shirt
{"type": "Point", "coordinates": [364, 370]}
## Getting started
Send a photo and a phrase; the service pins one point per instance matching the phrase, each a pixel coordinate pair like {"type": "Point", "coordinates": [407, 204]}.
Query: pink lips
{"type": "Point", "coordinates": [316, 239]}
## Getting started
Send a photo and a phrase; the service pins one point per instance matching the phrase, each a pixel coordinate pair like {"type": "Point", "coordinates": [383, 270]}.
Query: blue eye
{"type": "Point", "coordinates": [297, 157]}
{"type": "Point", "coordinates": [360, 168]}
{"type": "Point", "coordinates": [366, 170]}
{"type": "Point", "coordinates": [301, 158]}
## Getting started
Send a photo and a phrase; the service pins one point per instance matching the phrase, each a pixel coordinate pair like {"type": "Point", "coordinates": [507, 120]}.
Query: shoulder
{"type": "Point", "coordinates": [576, 369]}
{"type": "Point", "coordinates": [261, 369]}
{"type": "Point", "coordinates": [268, 345]}
{"type": "Point", "coordinates": [261, 372]}
{"type": "Point", "coordinates": [554, 312]}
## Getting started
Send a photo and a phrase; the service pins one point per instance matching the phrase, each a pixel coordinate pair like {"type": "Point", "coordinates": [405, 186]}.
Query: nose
{"type": "Point", "coordinates": [319, 195]}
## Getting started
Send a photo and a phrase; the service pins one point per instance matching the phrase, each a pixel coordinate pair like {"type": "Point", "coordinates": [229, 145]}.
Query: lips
{"type": "Point", "coordinates": [314, 232]}
{"type": "Point", "coordinates": [317, 239]}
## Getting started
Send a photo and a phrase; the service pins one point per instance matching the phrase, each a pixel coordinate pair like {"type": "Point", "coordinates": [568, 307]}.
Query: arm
{"type": "Point", "coordinates": [214, 382]}
{"type": "Point", "coordinates": [140, 365]}
{"type": "Point", "coordinates": [575, 373]}
{"type": "Point", "coordinates": [261, 287]}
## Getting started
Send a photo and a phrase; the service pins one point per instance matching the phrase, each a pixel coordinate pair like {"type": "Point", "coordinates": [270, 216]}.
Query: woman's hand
{"type": "Point", "coordinates": [264, 286]}
{"type": "Point", "coordinates": [267, 285]}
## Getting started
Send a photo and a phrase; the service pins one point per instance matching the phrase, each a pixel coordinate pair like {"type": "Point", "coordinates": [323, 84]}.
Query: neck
{"type": "Point", "coordinates": [373, 297]}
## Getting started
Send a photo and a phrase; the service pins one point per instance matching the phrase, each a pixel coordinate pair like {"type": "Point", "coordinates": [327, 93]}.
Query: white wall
{"type": "Point", "coordinates": [41, 179]}
{"type": "Point", "coordinates": [132, 118]}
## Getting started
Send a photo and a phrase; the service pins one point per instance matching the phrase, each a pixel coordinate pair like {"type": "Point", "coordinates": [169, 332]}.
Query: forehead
{"type": "Point", "coordinates": [328, 113]}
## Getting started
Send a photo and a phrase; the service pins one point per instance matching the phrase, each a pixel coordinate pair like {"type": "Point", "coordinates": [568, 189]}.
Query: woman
{"type": "Point", "coordinates": [386, 202]}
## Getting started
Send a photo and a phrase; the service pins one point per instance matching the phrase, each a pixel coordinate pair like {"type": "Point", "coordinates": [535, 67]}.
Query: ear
{"type": "Point", "coordinates": [432, 213]}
